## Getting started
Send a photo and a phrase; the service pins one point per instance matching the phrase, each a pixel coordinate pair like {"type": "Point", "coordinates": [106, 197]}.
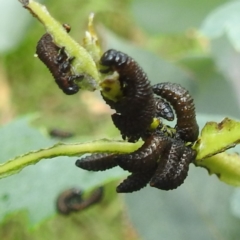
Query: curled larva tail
{"type": "Point", "coordinates": [97, 162]}
{"type": "Point", "coordinates": [135, 182]}
{"type": "Point", "coordinates": [173, 167]}
{"type": "Point", "coordinates": [183, 105]}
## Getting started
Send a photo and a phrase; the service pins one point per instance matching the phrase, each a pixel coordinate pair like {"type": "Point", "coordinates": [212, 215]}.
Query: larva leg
{"type": "Point", "coordinates": [65, 66]}
{"type": "Point", "coordinates": [61, 56]}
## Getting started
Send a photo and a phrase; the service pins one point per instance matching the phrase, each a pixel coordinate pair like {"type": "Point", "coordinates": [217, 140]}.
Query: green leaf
{"type": "Point", "coordinates": [59, 173]}
{"type": "Point", "coordinates": [170, 16]}
{"type": "Point", "coordinates": [83, 63]}
{"type": "Point", "coordinates": [199, 209]}
{"type": "Point", "coordinates": [78, 225]}
{"type": "Point", "coordinates": [205, 72]}
{"type": "Point", "coordinates": [35, 188]}
{"type": "Point", "coordinates": [215, 138]}
{"type": "Point", "coordinates": [224, 19]}
{"type": "Point", "coordinates": [235, 203]}
{"type": "Point", "coordinates": [227, 61]}
{"type": "Point", "coordinates": [17, 228]}
{"type": "Point", "coordinates": [226, 166]}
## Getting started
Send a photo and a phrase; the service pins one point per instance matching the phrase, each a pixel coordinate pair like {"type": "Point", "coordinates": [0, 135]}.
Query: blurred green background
{"type": "Point", "coordinates": [192, 43]}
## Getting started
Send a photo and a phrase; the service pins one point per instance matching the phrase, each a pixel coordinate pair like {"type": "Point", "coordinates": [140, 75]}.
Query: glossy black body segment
{"type": "Point", "coordinates": [146, 156]}
{"type": "Point", "coordinates": [135, 182]}
{"type": "Point", "coordinates": [136, 109]}
{"type": "Point", "coordinates": [97, 162]}
{"type": "Point", "coordinates": [58, 64]}
{"type": "Point", "coordinates": [173, 166]}
{"type": "Point", "coordinates": [183, 105]}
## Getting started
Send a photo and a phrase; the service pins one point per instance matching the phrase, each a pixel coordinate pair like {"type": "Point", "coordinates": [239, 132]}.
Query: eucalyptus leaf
{"type": "Point", "coordinates": [55, 175]}
{"type": "Point", "coordinates": [78, 225]}
{"type": "Point", "coordinates": [226, 166]}
{"type": "Point", "coordinates": [224, 19]}
{"type": "Point", "coordinates": [170, 16]}
{"type": "Point", "coordinates": [217, 137]}
{"type": "Point", "coordinates": [12, 32]}
{"type": "Point", "coordinates": [235, 203]}
{"type": "Point", "coordinates": [208, 76]}
{"type": "Point", "coordinates": [35, 188]}
{"type": "Point", "coordinates": [199, 209]}
{"type": "Point", "coordinates": [227, 59]}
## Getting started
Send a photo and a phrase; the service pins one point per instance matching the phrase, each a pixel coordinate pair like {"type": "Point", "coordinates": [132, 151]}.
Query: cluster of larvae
{"type": "Point", "coordinates": [163, 159]}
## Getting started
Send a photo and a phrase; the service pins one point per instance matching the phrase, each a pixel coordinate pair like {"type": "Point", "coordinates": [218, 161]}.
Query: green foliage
{"type": "Point", "coordinates": [169, 16]}
{"type": "Point", "coordinates": [203, 207]}
{"type": "Point", "coordinates": [199, 209]}
{"type": "Point", "coordinates": [38, 186]}
{"type": "Point", "coordinates": [81, 225]}
{"type": "Point", "coordinates": [224, 20]}
{"type": "Point", "coordinates": [214, 138]}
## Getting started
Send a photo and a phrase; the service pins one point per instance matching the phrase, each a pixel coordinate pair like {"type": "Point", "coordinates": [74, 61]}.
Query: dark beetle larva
{"type": "Point", "coordinates": [97, 162]}
{"type": "Point", "coordinates": [95, 197]}
{"type": "Point", "coordinates": [60, 134]}
{"type": "Point", "coordinates": [71, 200]}
{"type": "Point", "coordinates": [135, 182]}
{"type": "Point", "coordinates": [145, 158]}
{"type": "Point", "coordinates": [68, 198]}
{"type": "Point", "coordinates": [173, 166]}
{"type": "Point", "coordinates": [136, 109]}
{"type": "Point", "coordinates": [183, 105]}
{"type": "Point", "coordinates": [58, 64]}
{"type": "Point", "coordinates": [163, 159]}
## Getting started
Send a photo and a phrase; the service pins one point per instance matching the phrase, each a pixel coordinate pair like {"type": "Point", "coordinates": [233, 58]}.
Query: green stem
{"type": "Point", "coordinates": [17, 164]}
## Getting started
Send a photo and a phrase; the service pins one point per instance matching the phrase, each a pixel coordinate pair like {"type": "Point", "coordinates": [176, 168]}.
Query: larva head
{"type": "Point", "coordinates": [113, 58]}
{"type": "Point", "coordinates": [70, 90]}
